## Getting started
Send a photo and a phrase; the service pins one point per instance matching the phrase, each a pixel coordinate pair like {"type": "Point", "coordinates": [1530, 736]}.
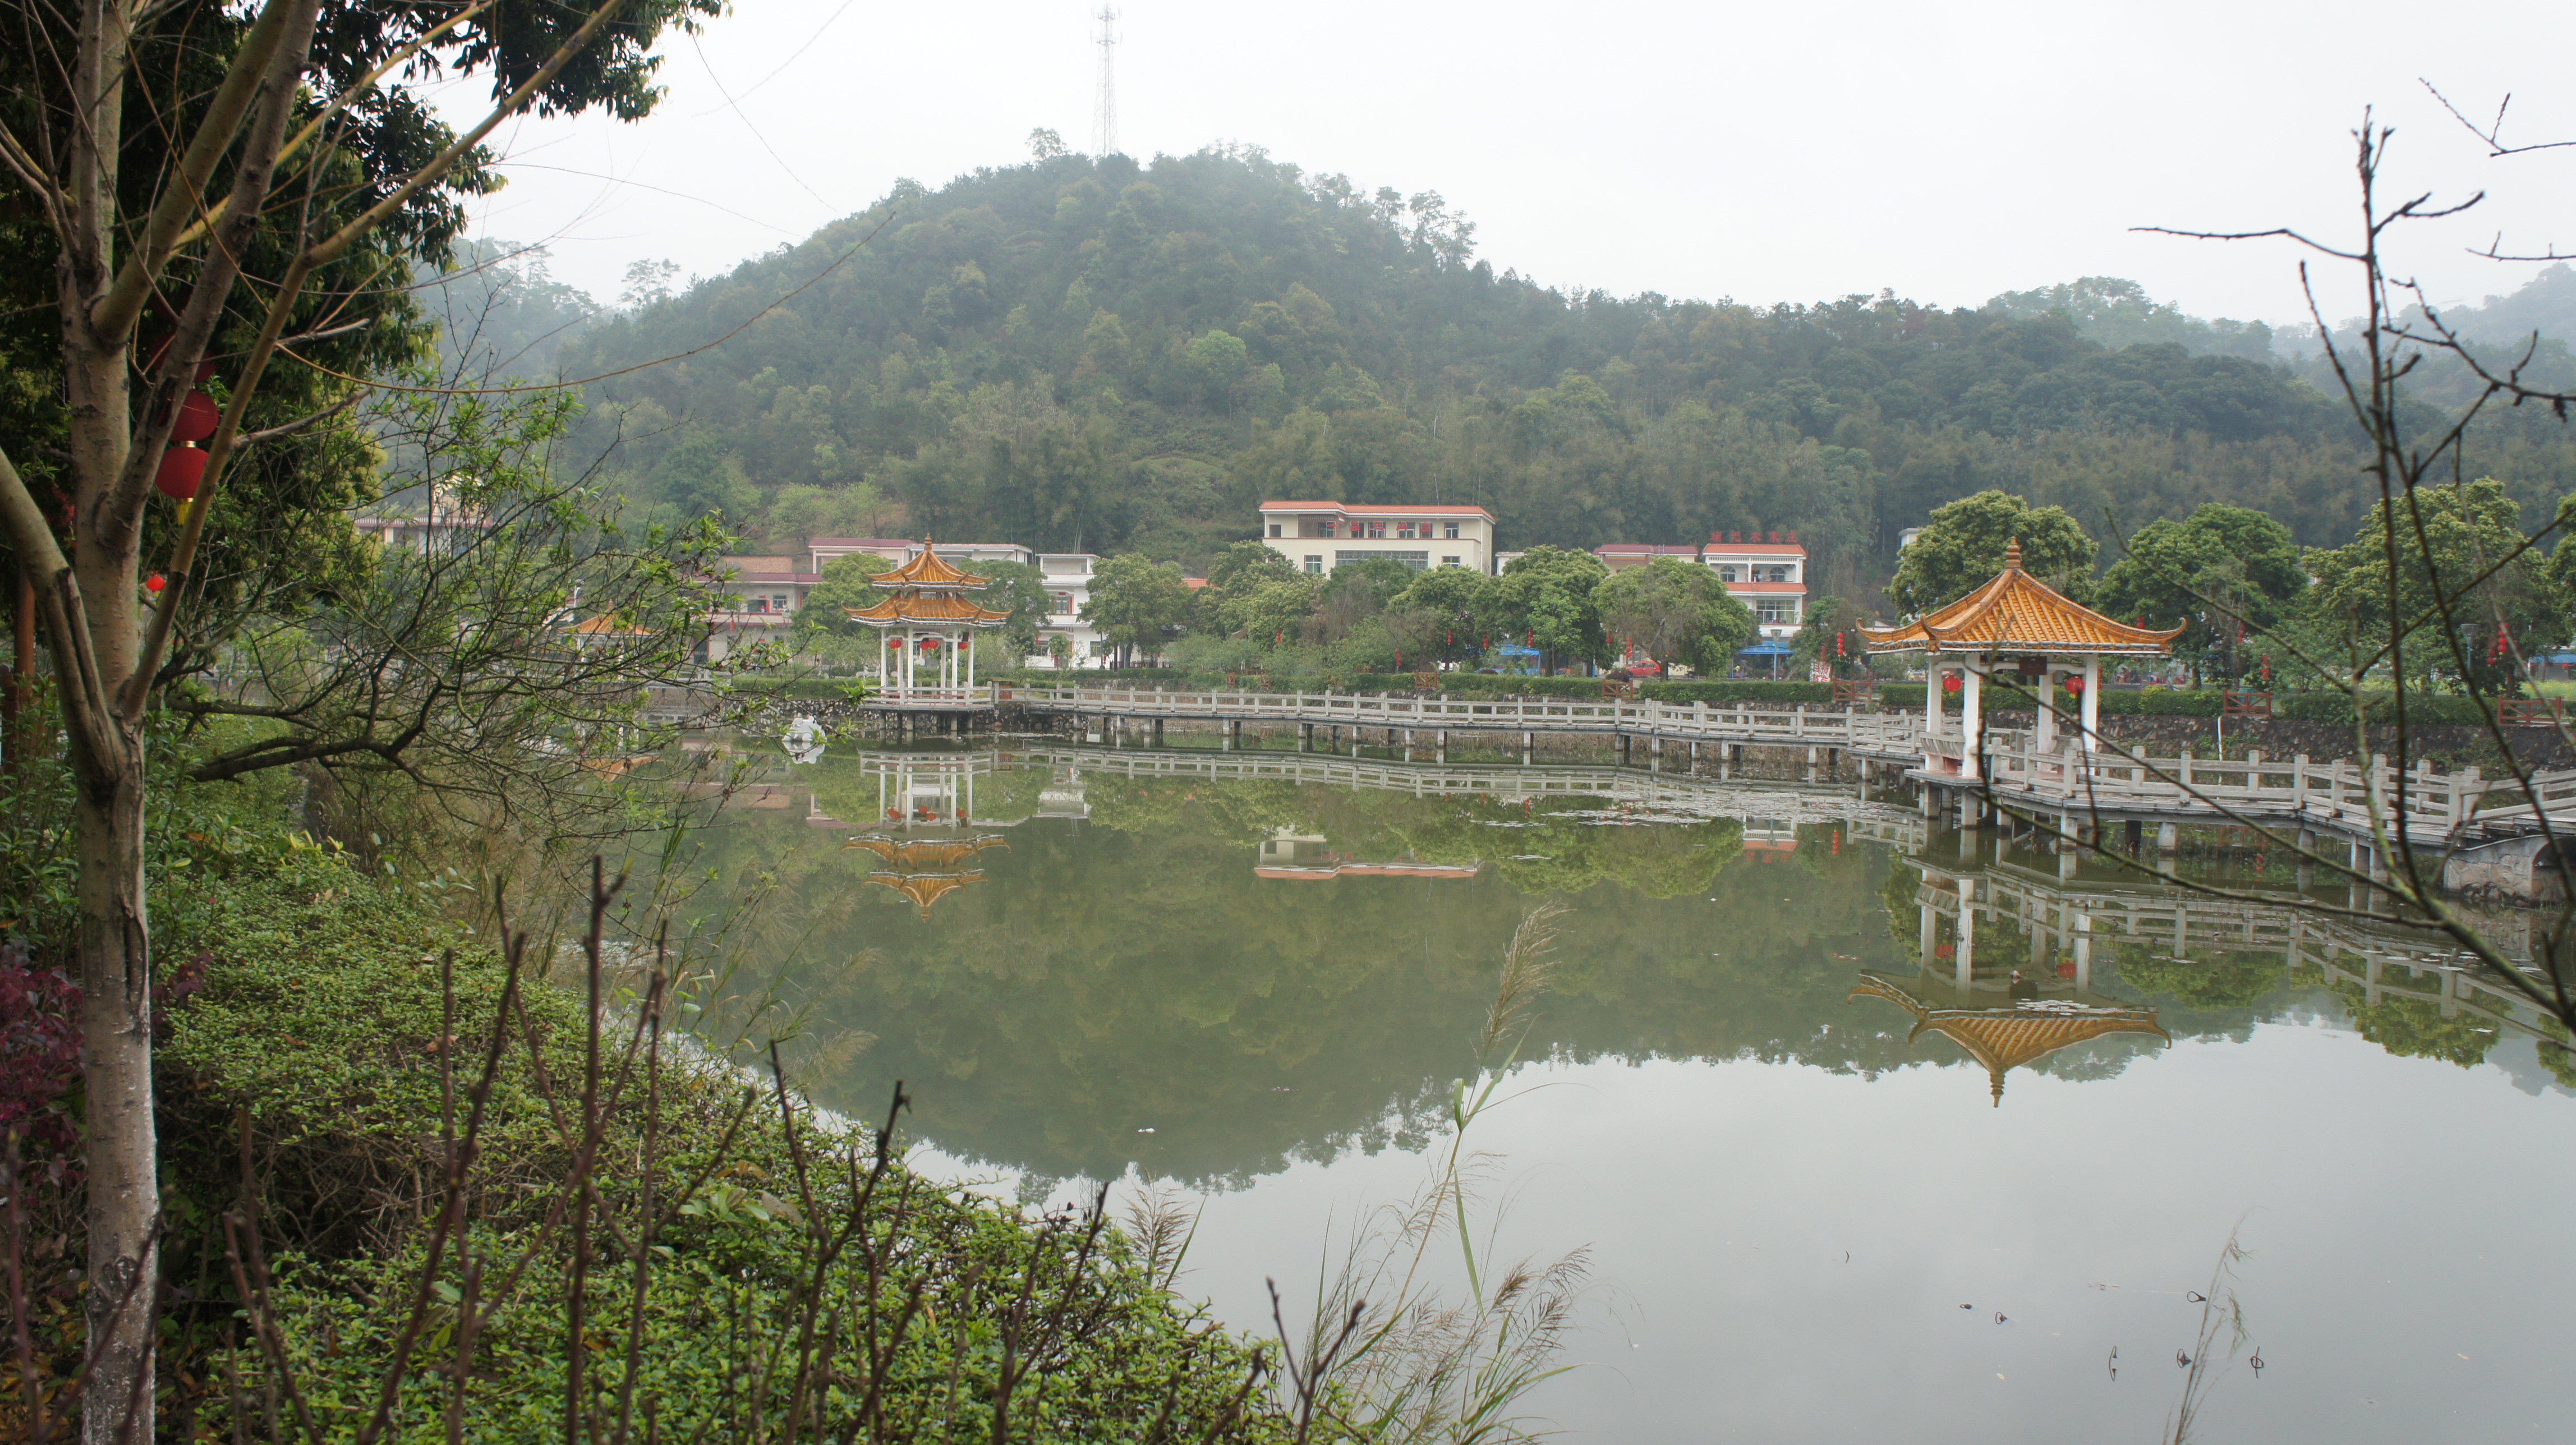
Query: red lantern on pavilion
{"type": "Point", "coordinates": [2075, 684]}
{"type": "Point", "coordinates": [182, 468]}
{"type": "Point", "coordinates": [1950, 682]}
{"type": "Point", "coordinates": [894, 644]}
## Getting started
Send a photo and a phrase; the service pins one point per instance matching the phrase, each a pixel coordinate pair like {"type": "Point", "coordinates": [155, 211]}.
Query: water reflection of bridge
{"type": "Point", "coordinates": [2064, 921]}
{"type": "Point", "coordinates": [1653, 796]}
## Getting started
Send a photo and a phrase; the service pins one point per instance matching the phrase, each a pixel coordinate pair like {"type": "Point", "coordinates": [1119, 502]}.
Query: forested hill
{"type": "Point", "coordinates": [1099, 354]}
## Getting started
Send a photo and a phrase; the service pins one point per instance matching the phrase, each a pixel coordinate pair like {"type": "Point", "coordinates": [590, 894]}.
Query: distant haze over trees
{"type": "Point", "coordinates": [1101, 354]}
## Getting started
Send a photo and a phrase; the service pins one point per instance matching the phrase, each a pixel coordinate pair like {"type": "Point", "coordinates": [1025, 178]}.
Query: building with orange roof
{"type": "Point", "coordinates": [2017, 624]}
{"type": "Point", "coordinates": [1320, 536]}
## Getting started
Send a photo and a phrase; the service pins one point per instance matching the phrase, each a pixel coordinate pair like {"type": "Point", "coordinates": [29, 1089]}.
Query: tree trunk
{"type": "Point", "coordinates": [120, 1143]}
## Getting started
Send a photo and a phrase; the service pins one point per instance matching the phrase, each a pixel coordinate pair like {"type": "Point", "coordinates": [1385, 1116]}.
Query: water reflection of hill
{"type": "Point", "coordinates": [1126, 988]}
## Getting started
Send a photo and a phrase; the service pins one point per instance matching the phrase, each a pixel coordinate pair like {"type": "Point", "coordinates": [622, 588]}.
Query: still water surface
{"type": "Point", "coordinates": [1263, 987]}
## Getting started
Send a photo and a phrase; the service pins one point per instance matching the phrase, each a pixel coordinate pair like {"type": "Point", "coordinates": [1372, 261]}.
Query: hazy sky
{"type": "Point", "coordinates": [1782, 152]}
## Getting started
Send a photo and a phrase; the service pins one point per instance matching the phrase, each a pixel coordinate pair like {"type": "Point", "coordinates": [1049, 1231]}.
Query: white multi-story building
{"type": "Point", "coordinates": [1767, 572]}
{"type": "Point", "coordinates": [895, 551]}
{"type": "Point", "coordinates": [1620, 556]}
{"type": "Point", "coordinates": [1320, 536]}
{"type": "Point", "coordinates": [1067, 576]}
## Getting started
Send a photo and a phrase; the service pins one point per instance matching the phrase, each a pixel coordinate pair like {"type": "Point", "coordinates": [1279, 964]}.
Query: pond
{"type": "Point", "coordinates": [1825, 1192]}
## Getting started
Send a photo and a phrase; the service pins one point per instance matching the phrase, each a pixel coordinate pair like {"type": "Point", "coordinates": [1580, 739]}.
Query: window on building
{"type": "Point", "coordinates": [1063, 602]}
{"type": "Point", "coordinates": [1449, 562]}
{"type": "Point", "coordinates": [1776, 572]}
{"type": "Point", "coordinates": [1729, 572]}
{"type": "Point", "coordinates": [1314, 563]}
{"type": "Point", "coordinates": [1274, 529]}
{"type": "Point", "coordinates": [757, 604]}
{"type": "Point", "coordinates": [1418, 561]}
{"type": "Point", "coordinates": [1377, 529]}
{"type": "Point", "coordinates": [1776, 609]}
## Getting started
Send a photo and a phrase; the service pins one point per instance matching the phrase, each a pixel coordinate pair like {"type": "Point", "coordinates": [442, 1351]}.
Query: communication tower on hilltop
{"type": "Point", "coordinates": [1104, 120]}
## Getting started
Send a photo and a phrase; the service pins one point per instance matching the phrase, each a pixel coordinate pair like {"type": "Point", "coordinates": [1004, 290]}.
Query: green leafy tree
{"type": "Point", "coordinates": [1962, 547]}
{"type": "Point", "coordinates": [1137, 604]}
{"type": "Point", "coordinates": [1675, 611]}
{"type": "Point", "coordinates": [1021, 590]}
{"type": "Point", "coordinates": [149, 153]}
{"type": "Point", "coordinates": [1466, 604]}
{"type": "Point", "coordinates": [1271, 611]}
{"type": "Point", "coordinates": [700, 478]}
{"type": "Point", "coordinates": [2222, 574]}
{"type": "Point", "coordinates": [2463, 567]}
{"type": "Point", "coordinates": [1825, 617]}
{"type": "Point", "coordinates": [1545, 601]}
{"type": "Point", "coordinates": [846, 582]}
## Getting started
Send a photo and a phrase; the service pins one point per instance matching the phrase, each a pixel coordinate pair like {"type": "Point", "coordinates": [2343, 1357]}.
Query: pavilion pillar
{"type": "Point", "coordinates": [2083, 953]}
{"type": "Point", "coordinates": [2089, 706]}
{"type": "Point", "coordinates": [1932, 706]}
{"type": "Point", "coordinates": [2046, 723]}
{"type": "Point", "coordinates": [1972, 722]}
{"type": "Point", "coordinates": [1964, 977]}
{"type": "Point", "coordinates": [1930, 926]}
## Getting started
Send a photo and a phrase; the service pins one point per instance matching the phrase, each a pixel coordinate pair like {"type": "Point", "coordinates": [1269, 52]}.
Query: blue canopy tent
{"type": "Point", "coordinates": [1771, 648]}
{"type": "Point", "coordinates": [1512, 657]}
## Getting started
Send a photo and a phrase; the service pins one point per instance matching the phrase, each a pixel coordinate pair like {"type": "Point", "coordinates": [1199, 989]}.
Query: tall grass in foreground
{"type": "Point", "coordinates": [1386, 1356]}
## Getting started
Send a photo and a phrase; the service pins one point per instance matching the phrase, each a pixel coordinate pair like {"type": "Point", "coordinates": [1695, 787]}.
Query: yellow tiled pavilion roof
{"type": "Point", "coordinates": [935, 853]}
{"type": "Point", "coordinates": [938, 608]}
{"type": "Point", "coordinates": [926, 870]}
{"type": "Point", "coordinates": [2017, 612]}
{"type": "Point", "coordinates": [2006, 1038]}
{"type": "Point", "coordinates": [929, 569]}
{"type": "Point", "coordinates": [924, 889]}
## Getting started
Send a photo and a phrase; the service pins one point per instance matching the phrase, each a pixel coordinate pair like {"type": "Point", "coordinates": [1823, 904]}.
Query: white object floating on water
{"type": "Point", "coordinates": [1144, 1131]}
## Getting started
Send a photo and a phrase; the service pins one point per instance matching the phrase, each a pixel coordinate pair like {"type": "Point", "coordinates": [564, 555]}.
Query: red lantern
{"type": "Point", "coordinates": [182, 468]}
{"type": "Point", "coordinates": [1943, 950]}
{"type": "Point", "coordinates": [1950, 682]}
{"type": "Point", "coordinates": [197, 417]}
{"type": "Point", "coordinates": [893, 643]}
{"type": "Point", "coordinates": [154, 583]}
{"type": "Point", "coordinates": [2075, 684]}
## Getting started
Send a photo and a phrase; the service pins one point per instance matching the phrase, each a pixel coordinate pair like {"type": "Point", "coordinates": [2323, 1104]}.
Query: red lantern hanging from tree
{"type": "Point", "coordinates": [198, 415]}
{"type": "Point", "coordinates": [182, 468]}
{"type": "Point", "coordinates": [154, 583]}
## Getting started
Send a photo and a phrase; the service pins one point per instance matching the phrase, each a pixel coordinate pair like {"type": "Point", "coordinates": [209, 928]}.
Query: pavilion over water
{"type": "Point", "coordinates": [2021, 625]}
{"type": "Point", "coordinates": [928, 617]}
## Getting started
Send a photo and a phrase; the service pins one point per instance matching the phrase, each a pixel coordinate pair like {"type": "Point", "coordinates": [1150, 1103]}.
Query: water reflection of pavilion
{"type": "Point", "coordinates": [2002, 1039]}
{"type": "Point", "coordinates": [925, 870]}
{"type": "Point", "coordinates": [2063, 920]}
